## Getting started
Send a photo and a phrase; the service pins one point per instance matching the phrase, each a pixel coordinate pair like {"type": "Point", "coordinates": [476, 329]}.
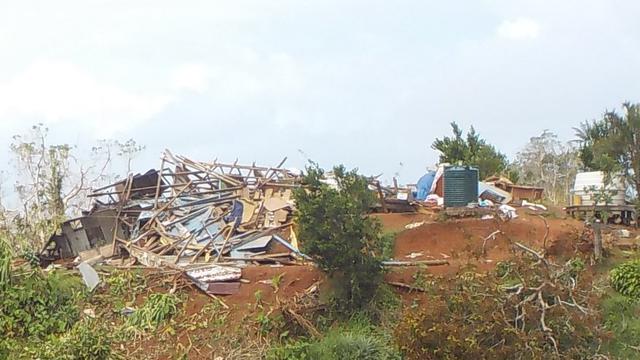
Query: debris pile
{"type": "Point", "coordinates": [206, 219]}
{"type": "Point", "coordinates": [458, 192]}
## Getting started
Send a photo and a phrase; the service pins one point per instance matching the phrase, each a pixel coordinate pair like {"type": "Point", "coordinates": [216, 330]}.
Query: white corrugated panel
{"type": "Point", "coordinates": [587, 180]}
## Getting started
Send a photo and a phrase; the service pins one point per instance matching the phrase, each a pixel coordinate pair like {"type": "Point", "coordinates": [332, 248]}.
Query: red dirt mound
{"type": "Point", "coordinates": [461, 241]}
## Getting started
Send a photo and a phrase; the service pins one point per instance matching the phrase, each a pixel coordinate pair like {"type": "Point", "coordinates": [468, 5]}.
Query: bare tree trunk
{"type": "Point", "coordinates": [597, 240]}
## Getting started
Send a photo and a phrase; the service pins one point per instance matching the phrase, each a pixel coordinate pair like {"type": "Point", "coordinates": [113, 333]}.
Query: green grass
{"type": "Point", "coordinates": [621, 316]}
{"type": "Point", "coordinates": [356, 339]}
{"type": "Point", "coordinates": [389, 241]}
{"type": "Point", "coordinates": [158, 308]}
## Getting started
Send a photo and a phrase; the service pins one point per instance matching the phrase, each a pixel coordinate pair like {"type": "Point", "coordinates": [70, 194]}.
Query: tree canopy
{"type": "Point", "coordinates": [612, 143]}
{"type": "Point", "coordinates": [548, 163]}
{"type": "Point", "coordinates": [338, 235]}
{"type": "Point", "coordinates": [472, 150]}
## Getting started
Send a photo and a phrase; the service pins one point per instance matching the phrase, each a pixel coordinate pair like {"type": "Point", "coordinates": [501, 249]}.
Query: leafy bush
{"type": "Point", "coordinates": [293, 351]}
{"type": "Point", "coordinates": [344, 242]}
{"type": "Point", "coordinates": [625, 278]}
{"type": "Point", "coordinates": [352, 345]}
{"type": "Point", "coordinates": [39, 305]}
{"type": "Point", "coordinates": [158, 308]}
{"type": "Point", "coordinates": [125, 282]}
{"type": "Point", "coordinates": [87, 340]}
{"type": "Point", "coordinates": [356, 341]}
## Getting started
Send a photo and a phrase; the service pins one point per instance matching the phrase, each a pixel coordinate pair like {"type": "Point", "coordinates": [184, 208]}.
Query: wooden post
{"type": "Point", "coordinates": [597, 240]}
{"type": "Point", "coordinates": [381, 196]}
{"type": "Point", "coordinates": [159, 184]}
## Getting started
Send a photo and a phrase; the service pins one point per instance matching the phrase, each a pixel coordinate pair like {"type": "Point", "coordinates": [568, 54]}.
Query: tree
{"type": "Point", "coordinates": [612, 143]}
{"type": "Point", "coordinates": [52, 182]}
{"type": "Point", "coordinates": [338, 234]}
{"type": "Point", "coordinates": [129, 150]}
{"type": "Point", "coordinates": [548, 163]}
{"type": "Point", "coordinates": [470, 151]}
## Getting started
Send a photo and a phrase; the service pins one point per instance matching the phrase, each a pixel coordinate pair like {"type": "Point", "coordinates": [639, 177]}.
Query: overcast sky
{"type": "Point", "coordinates": [366, 83]}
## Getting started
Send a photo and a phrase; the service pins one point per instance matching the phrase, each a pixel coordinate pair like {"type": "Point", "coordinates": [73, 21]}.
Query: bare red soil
{"type": "Point", "coordinates": [460, 241]}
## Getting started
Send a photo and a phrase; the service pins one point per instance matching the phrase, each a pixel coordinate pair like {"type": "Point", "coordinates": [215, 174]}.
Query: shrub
{"type": "Point", "coordinates": [87, 340]}
{"type": "Point", "coordinates": [157, 308]}
{"type": "Point", "coordinates": [354, 341]}
{"type": "Point", "coordinates": [346, 243]}
{"type": "Point", "coordinates": [126, 282]}
{"type": "Point", "coordinates": [294, 351]}
{"type": "Point", "coordinates": [352, 345]}
{"type": "Point", "coordinates": [625, 278]}
{"type": "Point", "coordinates": [39, 305]}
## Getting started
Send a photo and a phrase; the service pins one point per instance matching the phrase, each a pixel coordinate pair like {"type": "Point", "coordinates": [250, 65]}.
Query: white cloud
{"type": "Point", "coordinates": [520, 28]}
{"type": "Point", "coordinates": [56, 92]}
{"type": "Point", "coordinates": [249, 75]}
{"type": "Point", "coordinates": [191, 77]}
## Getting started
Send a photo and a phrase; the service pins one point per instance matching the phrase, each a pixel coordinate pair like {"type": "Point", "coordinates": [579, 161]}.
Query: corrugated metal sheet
{"type": "Point", "coordinates": [460, 186]}
{"type": "Point", "coordinates": [586, 181]}
{"type": "Point", "coordinates": [215, 273]}
{"type": "Point", "coordinates": [489, 192]}
{"type": "Point", "coordinates": [256, 245]}
{"type": "Point", "coordinates": [223, 288]}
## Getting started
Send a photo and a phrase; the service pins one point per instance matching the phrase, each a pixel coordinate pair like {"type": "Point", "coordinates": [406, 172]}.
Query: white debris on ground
{"type": "Point", "coordinates": [414, 225]}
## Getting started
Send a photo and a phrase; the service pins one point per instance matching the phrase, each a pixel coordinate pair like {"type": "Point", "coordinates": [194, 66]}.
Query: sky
{"type": "Point", "coordinates": [369, 84]}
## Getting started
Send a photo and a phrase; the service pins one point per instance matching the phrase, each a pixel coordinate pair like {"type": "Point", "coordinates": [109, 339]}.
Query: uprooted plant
{"type": "Point", "coordinates": [524, 313]}
{"type": "Point", "coordinates": [530, 308]}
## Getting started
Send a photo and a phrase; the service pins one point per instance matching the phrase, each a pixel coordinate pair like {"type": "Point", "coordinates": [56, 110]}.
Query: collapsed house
{"type": "Point", "coordinates": [207, 219]}
{"type": "Point", "coordinates": [458, 191]}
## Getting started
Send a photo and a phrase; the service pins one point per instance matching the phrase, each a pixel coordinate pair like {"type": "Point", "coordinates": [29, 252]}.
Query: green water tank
{"type": "Point", "coordinates": [460, 186]}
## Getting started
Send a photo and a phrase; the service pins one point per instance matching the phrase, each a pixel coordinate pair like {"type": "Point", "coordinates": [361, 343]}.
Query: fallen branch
{"type": "Point", "coordinates": [491, 236]}
{"type": "Point", "coordinates": [416, 263]}
{"type": "Point", "coordinates": [546, 233]}
{"type": "Point", "coordinates": [306, 324]}
{"type": "Point", "coordinates": [405, 286]}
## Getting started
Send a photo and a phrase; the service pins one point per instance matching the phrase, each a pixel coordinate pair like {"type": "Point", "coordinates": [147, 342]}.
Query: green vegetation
{"type": "Point", "coordinates": [621, 316]}
{"type": "Point", "coordinates": [470, 151]}
{"type": "Point", "coordinates": [343, 241]}
{"type": "Point", "coordinates": [125, 282]}
{"type": "Point", "coordinates": [354, 340]}
{"type": "Point", "coordinates": [158, 308]}
{"type": "Point", "coordinates": [486, 316]}
{"type": "Point", "coordinates": [5, 264]}
{"type": "Point", "coordinates": [524, 309]}
{"type": "Point", "coordinates": [611, 143]}
{"type": "Point", "coordinates": [39, 316]}
{"type": "Point", "coordinates": [37, 305]}
{"type": "Point", "coordinates": [87, 340]}
{"type": "Point", "coordinates": [625, 278]}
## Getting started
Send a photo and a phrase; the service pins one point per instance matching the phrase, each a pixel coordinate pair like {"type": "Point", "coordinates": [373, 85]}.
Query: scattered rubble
{"type": "Point", "coordinates": [207, 220]}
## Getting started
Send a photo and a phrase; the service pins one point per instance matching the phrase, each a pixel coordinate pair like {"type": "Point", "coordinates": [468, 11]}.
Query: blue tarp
{"type": "Point", "coordinates": [424, 185]}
